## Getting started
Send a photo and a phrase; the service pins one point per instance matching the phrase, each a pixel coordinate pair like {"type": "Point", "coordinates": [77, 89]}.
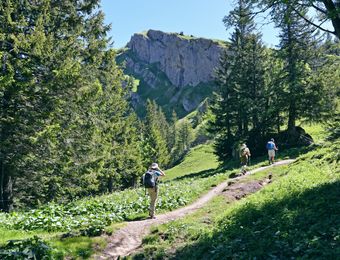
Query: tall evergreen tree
{"type": "Point", "coordinates": [323, 11]}
{"type": "Point", "coordinates": [239, 106]}
{"type": "Point", "coordinates": [155, 140]}
{"type": "Point", "coordinates": [297, 47]}
{"type": "Point", "coordinates": [184, 138]}
{"type": "Point", "coordinates": [62, 101]}
{"type": "Point", "coordinates": [274, 99]}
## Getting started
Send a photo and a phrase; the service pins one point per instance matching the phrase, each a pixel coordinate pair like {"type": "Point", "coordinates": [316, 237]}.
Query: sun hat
{"type": "Point", "coordinates": [154, 166]}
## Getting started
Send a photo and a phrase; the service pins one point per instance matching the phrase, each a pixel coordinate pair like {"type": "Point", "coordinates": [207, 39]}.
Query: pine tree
{"type": "Point", "coordinates": [322, 10]}
{"type": "Point", "coordinates": [155, 140]}
{"type": "Point", "coordinates": [297, 47]}
{"type": "Point", "coordinates": [239, 104]}
{"type": "Point", "coordinates": [185, 136]}
{"type": "Point", "coordinates": [63, 106]}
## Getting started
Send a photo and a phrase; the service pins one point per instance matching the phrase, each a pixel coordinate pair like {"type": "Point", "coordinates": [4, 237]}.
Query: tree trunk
{"type": "Point", "coordinates": [110, 184]}
{"type": "Point", "coordinates": [291, 118]}
{"type": "Point", "coordinates": [333, 12]}
{"type": "Point", "coordinates": [6, 190]}
{"type": "Point", "coordinates": [292, 84]}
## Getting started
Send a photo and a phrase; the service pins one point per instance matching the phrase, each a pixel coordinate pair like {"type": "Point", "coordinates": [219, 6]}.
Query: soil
{"type": "Point", "coordinates": [128, 239]}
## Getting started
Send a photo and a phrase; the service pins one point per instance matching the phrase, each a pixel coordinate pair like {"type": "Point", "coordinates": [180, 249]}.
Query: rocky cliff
{"type": "Point", "coordinates": [176, 65]}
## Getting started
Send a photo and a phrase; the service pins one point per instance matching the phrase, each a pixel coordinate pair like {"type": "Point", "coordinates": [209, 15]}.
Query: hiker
{"type": "Point", "coordinates": [271, 147]}
{"type": "Point", "coordinates": [244, 158]}
{"type": "Point", "coordinates": [150, 182]}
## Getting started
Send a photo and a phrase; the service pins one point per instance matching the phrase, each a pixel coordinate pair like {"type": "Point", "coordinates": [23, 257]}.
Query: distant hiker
{"type": "Point", "coordinates": [244, 158]}
{"type": "Point", "coordinates": [150, 181]}
{"type": "Point", "coordinates": [271, 147]}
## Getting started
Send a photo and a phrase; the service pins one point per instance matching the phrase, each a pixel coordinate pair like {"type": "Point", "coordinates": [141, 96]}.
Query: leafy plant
{"type": "Point", "coordinates": [32, 248]}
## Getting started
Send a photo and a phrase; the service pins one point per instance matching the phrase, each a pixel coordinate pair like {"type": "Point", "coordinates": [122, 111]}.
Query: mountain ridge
{"type": "Point", "coordinates": [174, 69]}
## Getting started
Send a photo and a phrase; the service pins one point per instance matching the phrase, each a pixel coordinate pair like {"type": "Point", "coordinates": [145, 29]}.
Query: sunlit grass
{"type": "Point", "coordinates": [183, 184]}
{"type": "Point", "coordinates": [317, 131]}
{"type": "Point", "coordinates": [200, 158]}
{"type": "Point", "coordinates": [78, 247]}
{"type": "Point", "coordinates": [297, 216]}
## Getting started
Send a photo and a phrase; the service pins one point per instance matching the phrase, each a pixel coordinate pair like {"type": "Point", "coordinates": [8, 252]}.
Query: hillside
{"type": "Point", "coordinates": [174, 69]}
{"type": "Point", "coordinates": [81, 124]}
{"type": "Point", "coordinates": [297, 216]}
{"type": "Point", "coordinates": [293, 208]}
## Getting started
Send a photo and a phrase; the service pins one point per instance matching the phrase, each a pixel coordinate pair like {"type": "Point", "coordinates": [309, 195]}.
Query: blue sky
{"type": "Point", "coordinates": [201, 18]}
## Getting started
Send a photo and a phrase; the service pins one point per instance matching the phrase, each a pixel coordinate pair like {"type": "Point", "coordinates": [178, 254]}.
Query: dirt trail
{"type": "Point", "coordinates": [127, 239]}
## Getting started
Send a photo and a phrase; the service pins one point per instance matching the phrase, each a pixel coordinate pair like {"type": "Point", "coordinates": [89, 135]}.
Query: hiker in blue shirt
{"type": "Point", "coordinates": [271, 147]}
{"type": "Point", "coordinates": [153, 191]}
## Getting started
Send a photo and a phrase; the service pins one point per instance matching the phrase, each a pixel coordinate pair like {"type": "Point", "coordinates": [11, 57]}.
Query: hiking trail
{"type": "Point", "coordinates": [129, 238]}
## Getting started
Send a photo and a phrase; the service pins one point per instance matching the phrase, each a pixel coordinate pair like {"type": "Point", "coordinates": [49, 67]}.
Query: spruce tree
{"type": "Point", "coordinates": [184, 138]}
{"type": "Point", "coordinates": [155, 140]}
{"type": "Point", "coordinates": [297, 46]}
{"type": "Point", "coordinates": [63, 106]}
{"type": "Point", "coordinates": [239, 103]}
{"type": "Point", "coordinates": [323, 11]}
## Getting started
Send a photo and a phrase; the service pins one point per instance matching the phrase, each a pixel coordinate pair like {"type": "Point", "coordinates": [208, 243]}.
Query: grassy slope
{"type": "Point", "coordinates": [200, 158]}
{"type": "Point", "coordinates": [199, 171]}
{"type": "Point", "coordinates": [298, 216]}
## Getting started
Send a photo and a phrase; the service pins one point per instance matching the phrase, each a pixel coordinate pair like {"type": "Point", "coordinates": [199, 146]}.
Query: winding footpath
{"type": "Point", "coordinates": [129, 238]}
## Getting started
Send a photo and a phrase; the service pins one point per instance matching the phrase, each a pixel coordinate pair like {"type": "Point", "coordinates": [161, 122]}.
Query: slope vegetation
{"type": "Point", "coordinates": [297, 216]}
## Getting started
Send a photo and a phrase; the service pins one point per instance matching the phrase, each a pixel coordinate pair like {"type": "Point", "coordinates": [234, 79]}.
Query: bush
{"type": "Point", "coordinates": [32, 248]}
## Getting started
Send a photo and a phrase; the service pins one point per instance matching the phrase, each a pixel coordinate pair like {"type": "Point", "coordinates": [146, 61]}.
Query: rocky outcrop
{"type": "Point", "coordinates": [185, 60]}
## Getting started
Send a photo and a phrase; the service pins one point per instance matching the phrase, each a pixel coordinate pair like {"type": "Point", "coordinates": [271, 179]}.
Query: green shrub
{"type": "Point", "coordinates": [32, 248]}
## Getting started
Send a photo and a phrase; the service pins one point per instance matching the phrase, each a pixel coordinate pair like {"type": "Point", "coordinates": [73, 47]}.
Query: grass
{"type": "Point", "coordinates": [200, 158]}
{"type": "Point", "coordinates": [78, 247]}
{"type": "Point", "coordinates": [69, 247]}
{"type": "Point", "coordinates": [317, 131]}
{"type": "Point", "coordinates": [297, 216]}
{"type": "Point", "coordinates": [200, 171]}
{"type": "Point", "coordinates": [166, 238]}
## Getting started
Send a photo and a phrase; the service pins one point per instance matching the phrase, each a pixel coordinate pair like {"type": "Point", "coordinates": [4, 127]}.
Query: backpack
{"type": "Point", "coordinates": [270, 145]}
{"type": "Point", "coordinates": [149, 180]}
{"type": "Point", "coordinates": [243, 152]}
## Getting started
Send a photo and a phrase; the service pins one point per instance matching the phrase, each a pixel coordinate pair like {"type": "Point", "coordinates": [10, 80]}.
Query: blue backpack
{"type": "Point", "coordinates": [270, 145]}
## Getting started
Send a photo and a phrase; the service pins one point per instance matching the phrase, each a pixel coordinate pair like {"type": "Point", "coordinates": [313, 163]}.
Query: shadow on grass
{"type": "Point", "coordinates": [302, 225]}
{"type": "Point", "coordinates": [295, 152]}
{"type": "Point", "coordinates": [228, 166]}
{"type": "Point", "coordinates": [200, 174]}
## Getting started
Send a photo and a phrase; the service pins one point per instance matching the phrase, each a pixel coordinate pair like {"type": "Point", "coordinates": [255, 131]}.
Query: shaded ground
{"type": "Point", "coordinates": [129, 238]}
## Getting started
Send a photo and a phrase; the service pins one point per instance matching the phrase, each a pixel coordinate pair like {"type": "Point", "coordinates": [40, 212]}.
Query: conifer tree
{"type": "Point", "coordinates": [155, 140]}
{"type": "Point", "coordinates": [323, 11]}
{"type": "Point", "coordinates": [184, 138]}
{"type": "Point", "coordinates": [239, 104]}
{"type": "Point", "coordinates": [297, 47]}
{"type": "Point", "coordinates": [62, 107]}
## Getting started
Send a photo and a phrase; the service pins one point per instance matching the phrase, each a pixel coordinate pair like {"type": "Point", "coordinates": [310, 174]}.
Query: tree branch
{"type": "Point", "coordinates": [310, 22]}
{"type": "Point", "coordinates": [324, 11]}
{"type": "Point", "coordinates": [319, 9]}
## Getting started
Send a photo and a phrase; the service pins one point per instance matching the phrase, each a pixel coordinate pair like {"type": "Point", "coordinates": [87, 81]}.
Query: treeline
{"type": "Point", "coordinates": [66, 127]}
{"type": "Point", "coordinates": [264, 92]}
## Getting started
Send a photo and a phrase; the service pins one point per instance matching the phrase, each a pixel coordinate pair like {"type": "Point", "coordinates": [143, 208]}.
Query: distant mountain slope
{"type": "Point", "coordinates": [173, 69]}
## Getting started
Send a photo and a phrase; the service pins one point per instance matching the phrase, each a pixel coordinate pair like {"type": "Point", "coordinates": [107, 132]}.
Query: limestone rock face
{"type": "Point", "coordinates": [185, 60]}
